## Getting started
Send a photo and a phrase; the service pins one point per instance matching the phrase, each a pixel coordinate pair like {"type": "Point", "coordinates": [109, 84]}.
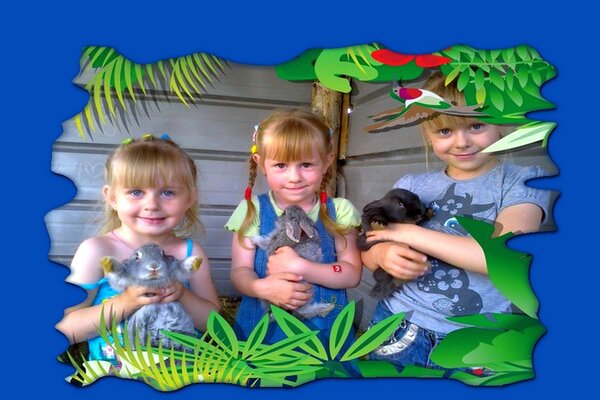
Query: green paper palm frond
{"type": "Point", "coordinates": [116, 83]}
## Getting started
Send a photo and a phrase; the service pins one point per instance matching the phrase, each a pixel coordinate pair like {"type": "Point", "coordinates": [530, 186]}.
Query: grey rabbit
{"type": "Point", "coordinates": [149, 266]}
{"type": "Point", "coordinates": [295, 229]}
{"type": "Point", "coordinates": [397, 206]}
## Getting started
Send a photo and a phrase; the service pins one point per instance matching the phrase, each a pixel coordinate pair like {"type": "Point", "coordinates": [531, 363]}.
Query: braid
{"type": "Point", "coordinates": [251, 210]}
{"type": "Point", "coordinates": [331, 225]}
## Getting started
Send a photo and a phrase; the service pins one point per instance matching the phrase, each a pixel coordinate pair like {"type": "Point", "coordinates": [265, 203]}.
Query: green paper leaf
{"type": "Point", "coordinates": [508, 269]}
{"type": "Point", "coordinates": [271, 352]}
{"type": "Point", "coordinates": [341, 328]}
{"type": "Point", "coordinates": [500, 342]}
{"type": "Point", "coordinates": [221, 332]}
{"type": "Point", "coordinates": [522, 136]}
{"type": "Point", "coordinates": [300, 68]}
{"type": "Point", "coordinates": [463, 80]}
{"type": "Point", "coordinates": [496, 97]}
{"type": "Point", "coordinates": [333, 72]}
{"type": "Point", "coordinates": [373, 337]}
{"type": "Point", "coordinates": [292, 326]}
{"type": "Point", "coordinates": [256, 336]}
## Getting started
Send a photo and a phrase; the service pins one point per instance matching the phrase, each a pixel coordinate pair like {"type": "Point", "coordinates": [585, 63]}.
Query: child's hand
{"type": "Point", "coordinates": [135, 297]}
{"type": "Point", "coordinates": [284, 259]}
{"type": "Point", "coordinates": [393, 232]}
{"type": "Point", "coordinates": [400, 261]}
{"type": "Point", "coordinates": [286, 290]}
{"type": "Point", "coordinates": [170, 293]}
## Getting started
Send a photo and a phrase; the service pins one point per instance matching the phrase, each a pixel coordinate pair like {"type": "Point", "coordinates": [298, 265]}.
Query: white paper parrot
{"type": "Point", "coordinates": [418, 104]}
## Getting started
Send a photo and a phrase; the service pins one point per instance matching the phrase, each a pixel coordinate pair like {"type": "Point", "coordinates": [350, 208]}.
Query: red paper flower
{"type": "Point", "coordinates": [394, 59]}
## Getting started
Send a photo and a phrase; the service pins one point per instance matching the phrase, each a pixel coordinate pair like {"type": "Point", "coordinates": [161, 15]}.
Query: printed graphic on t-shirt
{"type": "Point", "coordinates": [450, 205]}
{"type": "Point", "coordinates": [446, 279]}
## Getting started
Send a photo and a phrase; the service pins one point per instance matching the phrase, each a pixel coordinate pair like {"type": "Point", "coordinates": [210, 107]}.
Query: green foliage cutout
{"type": "Point", "coordinates": [218, 356]}
{"type": "Point", "coordinates": [112, 75]}
{"type": "Point", "coordinates": [505, 83]}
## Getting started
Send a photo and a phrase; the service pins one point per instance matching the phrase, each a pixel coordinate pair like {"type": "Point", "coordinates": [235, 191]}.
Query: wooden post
{"type": "Point", "coordinates": [328, 103]}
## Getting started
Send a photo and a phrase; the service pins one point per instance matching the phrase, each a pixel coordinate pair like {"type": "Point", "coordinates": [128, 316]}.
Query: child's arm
{"type": "Point", "coordinates": [201, 298]}
{"type": "Point", "coordinates": [398, 259]}
{"type": "Point", "coordinates": [81, 322]}
{"type": "Point", "coordinates": [342, 274]}
{"type": "Point", "coordinates": [283, 289]}
{"type": "Point", "coordinates": [462, 251]}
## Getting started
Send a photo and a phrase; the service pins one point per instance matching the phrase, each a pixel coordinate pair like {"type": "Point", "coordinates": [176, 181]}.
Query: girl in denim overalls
{"type": "Point", "coordinates": [294, 151]}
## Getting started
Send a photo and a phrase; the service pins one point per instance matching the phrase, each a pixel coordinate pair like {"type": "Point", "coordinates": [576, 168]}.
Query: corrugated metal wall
{"type": "Point", "coordinates": [374, 162]}
{"type": "Point", "coordinates": [217, 133]}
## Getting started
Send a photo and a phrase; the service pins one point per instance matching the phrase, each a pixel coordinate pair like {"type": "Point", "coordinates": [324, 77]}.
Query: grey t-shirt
{"type": "Point", "coordinates": [448, 290]}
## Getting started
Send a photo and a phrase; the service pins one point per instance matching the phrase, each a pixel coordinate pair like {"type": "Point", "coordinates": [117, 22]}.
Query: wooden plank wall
{"type": "Point", "coordinates": [374, 162]}
{"type": "Point", "coordinates": [217, 133]}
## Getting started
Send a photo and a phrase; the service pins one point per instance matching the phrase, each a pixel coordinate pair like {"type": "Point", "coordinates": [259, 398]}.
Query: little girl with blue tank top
{"type": "Point", "coordinates": [293, 149]}
{"type": "Point", "coordinates": [150, 196]}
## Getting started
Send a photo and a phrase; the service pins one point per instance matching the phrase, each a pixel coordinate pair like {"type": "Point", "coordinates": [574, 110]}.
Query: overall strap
{"type": "Point", "coordinates": [267, 217]}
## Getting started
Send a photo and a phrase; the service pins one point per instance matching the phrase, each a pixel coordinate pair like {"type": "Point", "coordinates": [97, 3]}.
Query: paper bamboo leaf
{"type": "Point", "coordinates": [256, 337]}
{"type": "Point", "coordinates": [373, 337]}
{"type": "Point", "coordinates": [221, 332]}
{"type": "Point", "coordinates": [341, 328]}
{"type": "Point", "coordinates": [272, 352]}
{"type": "Point", "coordinates": [292, 326]}
{"type": "Point", "coordinates": [524, 135]}
{"type": "Point", "coordinates": [118, 70]}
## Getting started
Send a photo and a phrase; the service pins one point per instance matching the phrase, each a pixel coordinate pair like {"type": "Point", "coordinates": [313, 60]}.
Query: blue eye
{"type": "Point", "coordinates": [477, 126]}
{"type": "Point", "coordinates": [168, 193]}
{"type": "Point", "coordinates": [136, 192]}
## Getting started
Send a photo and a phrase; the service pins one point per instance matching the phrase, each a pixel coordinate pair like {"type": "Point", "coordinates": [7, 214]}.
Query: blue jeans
{"type": "Point", "coordinates": [412, 345]}
{"type": "Point", "coordinates": [408, 345]}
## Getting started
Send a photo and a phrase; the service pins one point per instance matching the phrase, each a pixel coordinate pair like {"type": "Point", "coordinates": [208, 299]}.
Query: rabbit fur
{"type": "Point", "coordinates": [149, 266]}
{"type": "Point", "coordinates": [397, 206]}
{"type": "Point", "coordinates": [295, 229]}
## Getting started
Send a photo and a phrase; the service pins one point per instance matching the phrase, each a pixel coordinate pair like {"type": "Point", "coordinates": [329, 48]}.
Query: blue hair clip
{"type": "Point", "coordinates": [330, 132]}
{"type": "Point", "coordinates": [164, 136]}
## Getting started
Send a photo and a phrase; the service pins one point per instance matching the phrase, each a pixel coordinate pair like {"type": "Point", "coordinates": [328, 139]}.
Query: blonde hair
{"type": "Point", "coordinates": [292, 135]}
{"type": "Point", "coordinates": [436, 83]}
{"type": "Point", "coordinates": [143, 163]}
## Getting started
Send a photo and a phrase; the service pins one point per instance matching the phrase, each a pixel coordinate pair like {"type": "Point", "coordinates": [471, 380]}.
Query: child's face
{"type": "Point", "coordinates": [150, 211]}
{"type": "Point", "coordinates": [295, 182]}
{"type": "Point", "coordinates": [460, 148]}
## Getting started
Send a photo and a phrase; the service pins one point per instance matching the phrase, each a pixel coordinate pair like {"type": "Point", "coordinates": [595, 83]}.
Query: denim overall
{"type": "Point", "coordinates": [251, 309]}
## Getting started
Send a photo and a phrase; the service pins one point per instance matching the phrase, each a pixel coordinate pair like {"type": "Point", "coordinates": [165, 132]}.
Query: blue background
{"type": "Point", "coordinates": [41, 46]}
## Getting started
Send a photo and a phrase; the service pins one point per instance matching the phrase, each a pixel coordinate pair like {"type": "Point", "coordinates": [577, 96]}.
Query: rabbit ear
{"type": "Point", "coordinates": [307, 228]}
{"type": "Point", "coordinates": [292, 231]}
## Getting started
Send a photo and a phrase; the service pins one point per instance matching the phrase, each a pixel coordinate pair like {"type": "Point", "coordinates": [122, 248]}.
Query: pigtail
{"type": "Point", "coordinates": [251, 210]}
{"type": "Point", "coordinates": [332, 226]}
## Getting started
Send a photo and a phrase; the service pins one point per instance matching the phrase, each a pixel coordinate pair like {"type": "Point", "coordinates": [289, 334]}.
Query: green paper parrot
{"type": "Point", "coordinates": [418, 104]}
